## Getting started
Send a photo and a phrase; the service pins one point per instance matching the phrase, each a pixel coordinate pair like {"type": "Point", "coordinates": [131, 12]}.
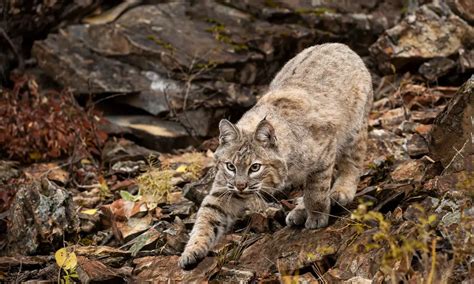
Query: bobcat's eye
{"type": "Point", "coordinates": [255, 167]}
{"type": "Point", "coordinates": [230, 166]}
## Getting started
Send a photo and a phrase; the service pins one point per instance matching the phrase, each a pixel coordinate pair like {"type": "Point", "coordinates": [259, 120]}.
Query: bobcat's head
{"type": "Point", "coordinates": [249, 162]}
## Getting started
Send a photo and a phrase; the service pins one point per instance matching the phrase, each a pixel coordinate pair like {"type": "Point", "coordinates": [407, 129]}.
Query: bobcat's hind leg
{"type": "Point", "coordinates": [349, 167]}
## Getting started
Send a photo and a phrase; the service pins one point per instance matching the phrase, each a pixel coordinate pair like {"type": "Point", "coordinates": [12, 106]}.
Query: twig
{"type": "Point", "coordinates": [335, 216]}
{"type": "Point", "coordinates": [109, 97]}
{"type": "Point", "coordinates": [458, 152]}
{"type": "Point", "coordinates": [433, 261]}
{"type": "Point", "coordinates": [349, 211]}
{"type": "Point", "coordinates": [21, 62]}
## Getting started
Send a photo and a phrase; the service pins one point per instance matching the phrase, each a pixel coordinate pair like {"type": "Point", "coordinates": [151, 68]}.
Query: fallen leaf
{"type": "Point", "coordinates": [182, 169]}
{"type": "Point", "coordinates": [90, 211]}
{"type": "Point", "coordinates": [65, 260]}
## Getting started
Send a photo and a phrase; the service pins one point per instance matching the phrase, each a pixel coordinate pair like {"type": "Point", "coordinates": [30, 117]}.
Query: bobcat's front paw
{"type": "Point", "coordinates": [342, 196]}
{"type": "Point", "coordinates": [296, 217]}
{"type": "Point", "coordinates": [316, 221]}
{"type": "Point", "coordinates": [190, 259]}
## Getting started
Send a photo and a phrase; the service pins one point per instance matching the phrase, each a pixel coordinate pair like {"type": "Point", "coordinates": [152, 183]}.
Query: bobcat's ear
{"type": "Point", "coordinates": [265, 133]}
{"type": "Point", "coordinates": [228, 132]}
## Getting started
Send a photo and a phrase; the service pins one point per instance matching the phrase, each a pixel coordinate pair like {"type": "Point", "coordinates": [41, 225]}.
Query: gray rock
{"type": "Point", "coordinates": [436, 67]}
{"type": "Point", "coordinates": [430, 32]}
{"type": "Point", "coordinates": [155, 133]}
{"type": "Point", "coordinates": [417, 146]}
{"type": "Point", "coordinates": [125, 150]}
{"type": "Point", "coordinates": [41, 214]}
{"type": "Point", "coordinates": [163, 52]}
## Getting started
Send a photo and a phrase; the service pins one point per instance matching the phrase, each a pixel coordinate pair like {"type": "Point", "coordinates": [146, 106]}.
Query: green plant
{"type": "Point", "coordinates": [154, 186]}
{"type": "Point", "coordinates": [400, 243]}
{"type": "Point", "coordinates": [67, 262]}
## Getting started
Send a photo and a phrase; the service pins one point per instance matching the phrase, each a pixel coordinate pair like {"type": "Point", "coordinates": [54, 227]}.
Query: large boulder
{"type": "Point", "coordinates": [41, 215]}
{"type": "Point", "coordinates": [190, 61]}
{"type": "Point", "coordinates": [452, 136]}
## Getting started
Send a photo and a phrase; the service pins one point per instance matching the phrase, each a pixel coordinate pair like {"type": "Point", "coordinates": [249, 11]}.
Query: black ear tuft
{"type": "Point", "coordinates": [228, 132]}
{"type": "Point", "coordinates": [265, 133]}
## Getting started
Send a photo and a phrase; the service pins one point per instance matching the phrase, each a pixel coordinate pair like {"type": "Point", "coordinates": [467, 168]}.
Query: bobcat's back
{"type": "Point", "coordinates": [332, 79]}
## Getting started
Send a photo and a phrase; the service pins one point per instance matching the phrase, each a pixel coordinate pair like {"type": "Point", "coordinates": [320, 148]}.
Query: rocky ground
{"type": "Point", "coordinates": [107, 118]}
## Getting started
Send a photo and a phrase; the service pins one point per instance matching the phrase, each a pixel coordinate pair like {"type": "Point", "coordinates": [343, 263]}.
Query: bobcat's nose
{"type": "Point", "coordinates": [241, 185]}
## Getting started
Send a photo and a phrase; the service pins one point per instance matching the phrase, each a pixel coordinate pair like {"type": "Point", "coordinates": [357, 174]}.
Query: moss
{"type": "Point", "coordinates": [315, 11]}
{"type": "Point", "coordinates": [206, 66]}
{"type": "Point", "coordinates": [160, 42]}
{"type": "Point", "coordinates": [222, 35]}
{"type": "Point", "coordinates": [272, 4]}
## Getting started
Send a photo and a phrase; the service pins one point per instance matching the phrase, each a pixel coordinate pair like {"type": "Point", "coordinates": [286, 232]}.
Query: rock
{"type": "Point", "coordinates": [426, 116]}
{"type": "Point", "coordinates": [463, 8]}
{"type": "Point", "coordinates": [128, 168]}
{"type": "Point", "coordinates": [406, 127]}
{"type": "Point", "coordinates": [299, 278]}
{"type": "Point", "coordinates": [21, 32]}
{"type": "Point", "coordinates": [393, 117]}
{"type": "Point", "coordinates": [125, 150]}
{"type": "Point", "coordinates": [88, 199]}
{"type": "Point", "coordinates": [182, 209]}
{"type": "Point", "coordinates": [350, 22]}
{"type": "Point", "coordinates": [292, 249]}
{"type": "Point", "coordinates": [423, 129]}
{"type": "Point", "coordinates": [41, 214]}
{"type": "Point", "coordinates": [412, 170]}
{"type": "Point", "coordinates": [50, 271]}
{"type": "Point", "coordinates": [155, 133]}
{"type": "Point", "coordinates": [7, 262]}
{"type": "Point", "coordinates": [202, 122]}
{"type": "Point", "coordinates": [230, 275]}
{"type": "Point", "coordinates": [166, 268]}
{"type": "Point", "coordinates": [451, 137]}
{"type": "Point", "coordinates": [430, 32]}
{"type": "Point", "coordinates": [90, 220]}
{"type": "Point", "coordinates": [355, 23]}
{"type": "Point", "coordinates": [196, 191]}
{"type": "Point", "coordinates": [436, 67]}
{"type": "Point", "coordinates": [417, 146]}
{"type": "Point", "coordinates": [208, 63]}
{"type": "Point", "coordinates": [358, 280]}
{"type": "Point", "coordinates": [95, 271]}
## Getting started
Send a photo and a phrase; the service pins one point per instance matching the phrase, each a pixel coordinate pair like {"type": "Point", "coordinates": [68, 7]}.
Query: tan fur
{"type": "Point", "coordinates": [312, 120]}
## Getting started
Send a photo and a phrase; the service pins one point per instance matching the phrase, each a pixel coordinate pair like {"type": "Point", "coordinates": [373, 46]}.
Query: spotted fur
{"type": "Point", "coordinates": [312, 120]}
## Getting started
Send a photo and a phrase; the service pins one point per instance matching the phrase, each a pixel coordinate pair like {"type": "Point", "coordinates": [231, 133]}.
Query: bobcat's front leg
{"type": "Point", "coordinates": [316, 196]}
{"type": "Point", "coordinates": [213, 219]}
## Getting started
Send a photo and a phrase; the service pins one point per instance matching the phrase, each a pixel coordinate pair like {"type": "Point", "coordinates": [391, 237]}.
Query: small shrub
{"type": "Point", "coordinates": [39, 126]}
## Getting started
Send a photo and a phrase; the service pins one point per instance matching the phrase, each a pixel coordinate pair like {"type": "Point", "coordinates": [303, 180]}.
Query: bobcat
{"type": "Point", "coordinates": [312, 119]}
